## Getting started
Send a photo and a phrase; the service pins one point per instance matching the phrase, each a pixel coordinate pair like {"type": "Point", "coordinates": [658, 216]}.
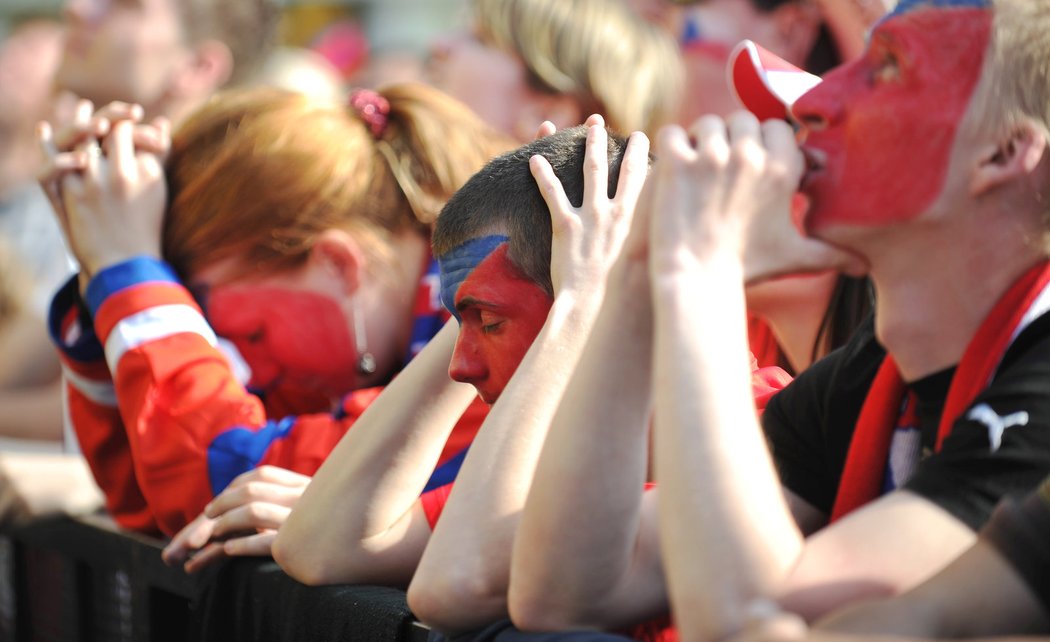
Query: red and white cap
{"type": "Point", "coordinates": [766, 84]}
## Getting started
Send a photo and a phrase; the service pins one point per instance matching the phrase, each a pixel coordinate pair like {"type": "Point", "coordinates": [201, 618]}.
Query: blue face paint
{"type": "Point", "coordinates": [904, 6]}
{"type": "Point", "coordinates": [457, 264]}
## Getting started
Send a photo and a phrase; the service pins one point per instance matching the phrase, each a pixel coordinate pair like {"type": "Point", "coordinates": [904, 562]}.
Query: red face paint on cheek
{"type": "Point", "coordinates": [502, 311]}
{"type": "Point", "coordinates": [888, 121]}
{"type": "Point", "coordinates": [291, 339]}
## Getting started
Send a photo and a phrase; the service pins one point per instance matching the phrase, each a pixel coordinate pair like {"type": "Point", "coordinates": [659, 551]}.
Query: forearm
{"type": "Point", "coordinates": [590, 476]}
{"type": "Point", "coordinates": [375, 475]}
{"type": "Point", "coordinates": [727, 533]}
{"type": "Point", "coordinates": [466, 565]}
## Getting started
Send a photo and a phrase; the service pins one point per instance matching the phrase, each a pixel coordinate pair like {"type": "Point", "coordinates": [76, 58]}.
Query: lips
{"type": "Point", "coordinates": [816, 160]}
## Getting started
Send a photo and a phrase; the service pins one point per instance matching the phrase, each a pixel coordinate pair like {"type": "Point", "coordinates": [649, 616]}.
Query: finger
{"type": "Point", "coordinates": [634, 167]}
{"type": "Point", "coordinates": [271, 474]}
{"type": "Point", "coordinates": [745, 139]}
{"type": "Point", "coordinates": [779, 139]}
{"type": "Point", "coordinates": [54, 170]}
{"type": "Point", "coordinates": [45, 136]}
{"type": "Point", "coordinates": [82, 127]}
{"type": "Point", "coordinates": [545, 129]}
{"type": "Point", "coordinates": [192, 537]}
{"type": "Point", "coordinates": [118, 110]}
{"type": "Point", "coordinates": [154, 138]}
{"type": "Point", "coordinates": [250, 518]}
{"type": "Point", "coordinates": [595, 120]}
{"type": "Point", "coordinates": [710, 139]}
{"type": "Point", "coordinates": [596, 167]}
{"type": "Point", "coordinates": [120, 149]}
{"type": "Point", "coordinates": [205, 557]}
{"type": "Point", "coordinates": [260, 544]}
{"type": "Point", "coordinates": [551, 188]}
{"type": "Point", "coordinates": [672, 144]}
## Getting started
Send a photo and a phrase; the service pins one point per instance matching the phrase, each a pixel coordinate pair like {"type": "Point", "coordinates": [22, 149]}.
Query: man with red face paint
{"type": "Point", "coordinates": [525, 292]}
{"type": "Point", "coordinates": [927, 168]}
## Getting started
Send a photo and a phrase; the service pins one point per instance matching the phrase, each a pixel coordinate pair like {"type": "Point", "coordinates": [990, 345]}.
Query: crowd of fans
{"type": "Point", "coordinates": [598, 328]}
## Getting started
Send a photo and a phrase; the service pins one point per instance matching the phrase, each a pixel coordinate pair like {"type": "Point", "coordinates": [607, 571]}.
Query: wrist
{"type": "Point", "coordinates": [716, 268]}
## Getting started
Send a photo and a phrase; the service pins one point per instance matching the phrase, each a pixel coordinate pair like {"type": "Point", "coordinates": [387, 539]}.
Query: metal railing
{"type": "Point", "coordinates": [84, 579]}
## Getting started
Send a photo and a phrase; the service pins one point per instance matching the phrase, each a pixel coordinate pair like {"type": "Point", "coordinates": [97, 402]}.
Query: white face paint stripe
{"type": "Point", "coordinates": [102, 393]}
{"type": "Point", "coordinates": [153, 324]}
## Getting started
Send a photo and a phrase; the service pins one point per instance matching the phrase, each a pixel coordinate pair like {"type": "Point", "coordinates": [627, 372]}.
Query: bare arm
{"type": "Point", "coordinates": [464, 575]}
{"type": "Point", "coordinates": [359, 520]}
{"type": "Point", "coordinates": [978, 594]}
{"type": "Point", "coordinates": [586, 553]}
{"type": "Point", "coordinates": [723, 514]}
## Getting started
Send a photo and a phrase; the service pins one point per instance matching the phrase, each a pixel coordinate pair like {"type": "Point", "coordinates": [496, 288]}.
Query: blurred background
{"type": "Point", "coordinates": [350, 33]}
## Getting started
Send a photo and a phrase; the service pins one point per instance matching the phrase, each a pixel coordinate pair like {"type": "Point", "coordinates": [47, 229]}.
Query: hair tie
{"type": "Point", "coordinates": [372, 108]}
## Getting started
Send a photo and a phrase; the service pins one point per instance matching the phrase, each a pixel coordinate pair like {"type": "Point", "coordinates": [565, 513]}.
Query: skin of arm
{"type": "Point", "coordinates": [359, 520]}
{"type": "Point", "coordinates": [585, 555]}
{"type": "Point", "coordinates": [464, 575]}
{"type": "Point", "coordinates": [717, 522]}
{"type": "Point", "coordinates": [977, 594]}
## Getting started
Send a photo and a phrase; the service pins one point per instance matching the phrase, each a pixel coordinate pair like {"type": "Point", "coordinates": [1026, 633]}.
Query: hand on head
{"type": "Point", "coordinates": [103, 174]}
{"type": "Point", "coordinates": [241, 521]}
{"type": "Point", "coordinates": [586, 240]}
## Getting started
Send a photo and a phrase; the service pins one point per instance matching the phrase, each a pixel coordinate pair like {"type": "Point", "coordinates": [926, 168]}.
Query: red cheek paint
{"type": "Point", "coordinates": [889, 120]}
{"type": "Point", "coordinates": [501, 311]}
{"type": "Point", "coordinates": [293, 339]}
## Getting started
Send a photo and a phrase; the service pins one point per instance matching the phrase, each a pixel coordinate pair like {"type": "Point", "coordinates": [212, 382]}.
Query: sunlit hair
{"type": "Point", "coordinates": [258, 174]}
{"type": "Point", "coordinates": [598, 51]}
{"type": "Point", "coordinates": [1015, 82]}
{"type": "Point", "coordinates": [503, 198]}
{"type": "Point", "coordinates": [247, 27]}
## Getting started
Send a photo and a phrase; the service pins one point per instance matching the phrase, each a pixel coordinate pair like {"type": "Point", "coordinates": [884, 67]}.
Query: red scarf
{"type": "Point", "coordinates": [862, 476]}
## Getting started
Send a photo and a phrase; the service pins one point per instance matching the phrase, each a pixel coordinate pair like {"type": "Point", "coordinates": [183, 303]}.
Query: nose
{"type": "Point", "coordinates": [466, 365]}
{"type": "Point", "coordinates": [819, 107]}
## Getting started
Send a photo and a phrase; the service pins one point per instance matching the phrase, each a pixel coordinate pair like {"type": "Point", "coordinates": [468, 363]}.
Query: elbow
{"type": "Point", "coordinates": [539, 610]}
{"type": "Point", "coordinates": [302, 563]}
{"type": "Point", "coordinates": [456, 601]}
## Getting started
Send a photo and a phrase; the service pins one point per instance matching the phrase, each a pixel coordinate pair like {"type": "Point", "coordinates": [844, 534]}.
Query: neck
{"type": "Point", "coordinates": [936, 284]}
{"type": "Point", "coordinates": [387, 300]}
{"type": "Point", "coordinates": [793, 308]}
{"type": "Point", "coordinates": [795, 328]}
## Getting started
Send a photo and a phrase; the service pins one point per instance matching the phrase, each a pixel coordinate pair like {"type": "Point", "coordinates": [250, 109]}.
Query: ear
{"type": "Point", "coordinates": [1012, 158]}
{"type": "Point", "coordinates": [798, 26]}
{"type": "Point", "coordinates": [561, 109]}
{"type": "Point", "coordinates": [338, 255]}
{"type": "Point", "coordinates": [208, 67]}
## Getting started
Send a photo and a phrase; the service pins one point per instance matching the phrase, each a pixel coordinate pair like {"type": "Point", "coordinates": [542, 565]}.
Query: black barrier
{"type": "Point", "coordinates": [84, 579]}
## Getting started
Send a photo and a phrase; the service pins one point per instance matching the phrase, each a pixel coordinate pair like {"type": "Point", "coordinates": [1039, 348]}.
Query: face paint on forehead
{"type": "Point", "coordinates": [457, 264]}
{"type": "Point", "coordinates": [904, 6]}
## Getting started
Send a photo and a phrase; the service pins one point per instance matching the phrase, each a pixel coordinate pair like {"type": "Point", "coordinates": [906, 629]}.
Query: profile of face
{"type": "Point", "coordinates": [121, 49]}
{"type": "Point", "coordinates": [490, 81]}
{"type": "Point", "coordinates": [499, 309]}
{"type": "Point", "coordinates": [879, 131]}
{"type": "Point", "coordinates": [290, 329]}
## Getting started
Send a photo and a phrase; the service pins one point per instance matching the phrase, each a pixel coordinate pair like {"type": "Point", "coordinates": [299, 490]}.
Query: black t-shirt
{"type": "Point", "coordinates": [810, 423]}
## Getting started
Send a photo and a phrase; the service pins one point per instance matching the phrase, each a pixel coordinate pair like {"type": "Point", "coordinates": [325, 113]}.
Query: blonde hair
{"type": "Point", "coordinates": [247, 27]}
{"type": "Point", "coordinates": [599, 51]}
{"type": "Point", "coordinates": [258, 174]}
{"type": "Point", "coordinates": [1015, 82]}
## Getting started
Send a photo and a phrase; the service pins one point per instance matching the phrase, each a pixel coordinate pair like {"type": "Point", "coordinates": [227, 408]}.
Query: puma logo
{"type": "Point", "coordinates": [996, 424]}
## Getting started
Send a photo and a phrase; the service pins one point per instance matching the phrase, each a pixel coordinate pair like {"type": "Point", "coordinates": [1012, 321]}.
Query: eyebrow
{"type": "Point", "coordinates": [474, 302]}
